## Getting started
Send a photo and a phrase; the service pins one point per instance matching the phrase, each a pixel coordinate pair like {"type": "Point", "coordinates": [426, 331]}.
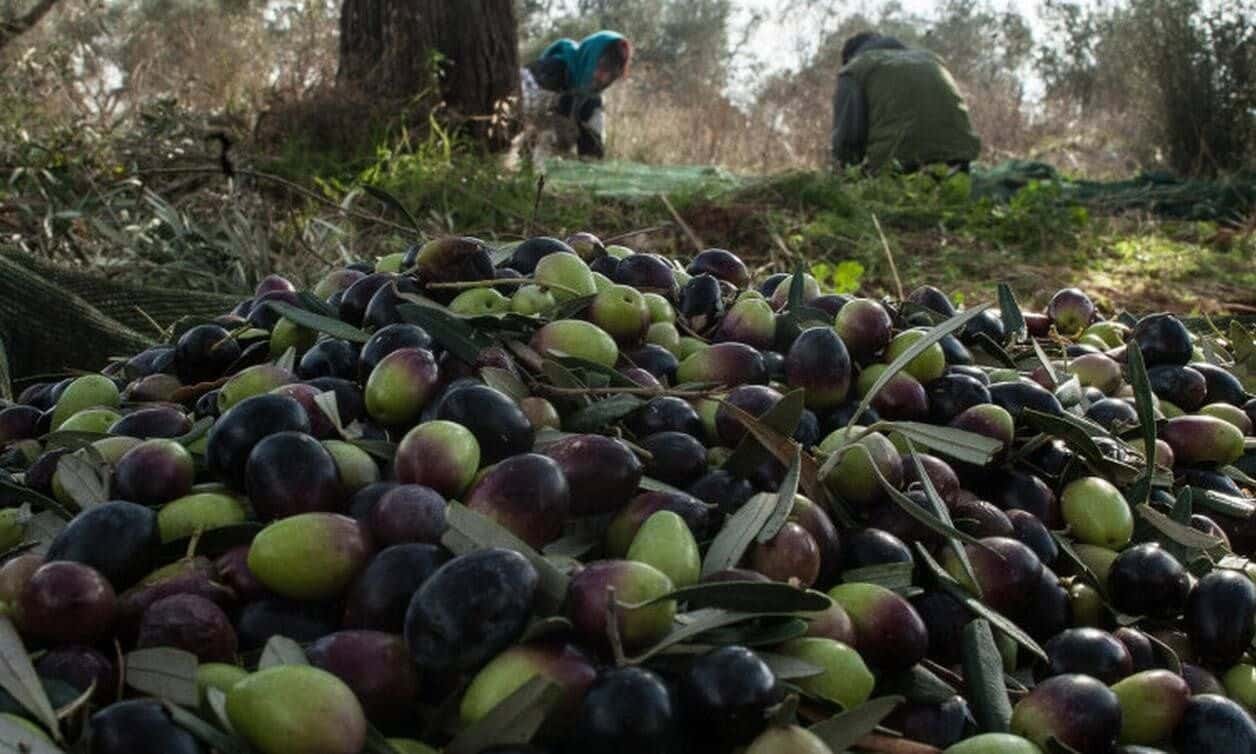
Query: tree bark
{"type": "Point", "coordinates": [464, 51]}
{"type": "Point", "coordinates": [11, 30]}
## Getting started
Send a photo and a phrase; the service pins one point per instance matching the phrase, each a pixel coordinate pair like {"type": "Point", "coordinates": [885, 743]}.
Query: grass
{"type": "Point", "coordinates": [937, 232]}
{"type": "Point", "coordinates": [123, 216]}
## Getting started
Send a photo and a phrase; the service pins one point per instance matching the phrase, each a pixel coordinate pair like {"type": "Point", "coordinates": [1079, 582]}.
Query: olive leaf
{"type": "Point", "coordinates": [1183, 507]}
{"type": "Point", "coordinates": [613, 376]}
{"type": "Point", "coordinates": [1079, 433]}
{"type": "Point", "coordinates": [505, 381]}
{"type": "Point", "coordinates": [757, 447]}
{"type": "Point", "coordinates": [469, 531]}
{"type": "Point", "coordinates": [542, 627]}
{"type": "Point", "coordinates": [959, 444]}
{"type": "Point", "coordinates": [653, 485]}
{"type": "Point", "coordinates": [1045, 362]}
{"type": "Point", "coordinates": [17, 676]}
{"type": "Point", "coordinates": [217, 700]}
{"type": "Point", "coordinates": [86, 483]}
{"type": "Point", "coordinates": [311, 303]}
{"type": "Point", "coordinates": [377, 743]}
{"type": "Point", "coordinates": [931, 337]}
{"type": "Point", "coordinates": [280, 650]}
{"type": "Point", "coordinates": [571, 307]}
{"type": "Point", "coordinates": [198, 430]}
{"type": "Point", "coordinates": [919, 684]}
{"type": "Point", "coordinates": [453, 334]}
{"type": "Point", "coordinates": [1075, 563]}
{"type": "Point", "coordinates": [208, 734]}
{"type": "Point", "coordinates": [597, 415]}
{"type": "Point", "coordinates": [72, 439]}
{"type": "Point", "coordinates": [697, 622]}
{"type": "Point", "coordinates": [394, 203]}
{"type": "Point", "coordinates": [6, 376]}
{"type": "Point", "coordinates": [787, 668]}
{"type": "Point", "coordinates": [1218, 502]}
{"type": "Point", "coordinates": [940, 510]}
{"type": "Point", "coordinates": [1010, 311]}
{"type": "Point", "coordinates": [893, 576]}
{"type": "Point", "coordinates": [738, 532]}
{"type": "Point", "coordinates": [976, 606]}
{"type": "Point", "coordinates": [381, 449]}
{"type": "Point", "coordinates": [843, 730]}
{"type": "Point", "coordinates": [1146, 414]}
{"type": "Point", "coordinates": [772, 597]}
{"type": "Point", "coordinates": [991, 347]}
{"type": "Point", "coordinates": [78, 703]}
{"type": "Point", "coordinates": [784, 500]}
{"type": "Point", "coordinates": [17, 494]}
{"type": "Point", "coordinates": [983, 678]}
{"type": "Point", "coordinates": [328, 325]}
{"type": "Point", "coordinates": [922, 516]}
{"type": "Point", "coordinates": [18, 739]}
{"type": "Point", "coordinates": [163, 672]}
{"type": "Point", "coordinates": [327, 403]}
{"type": "Point", "coordinates": [1186, 536]}
{"type": "Point", "coordinates": [766, 632]}
{"type": "Point", "coordinates": [514, 720]}
{"type": "Point", "coordinates": [772, 433]}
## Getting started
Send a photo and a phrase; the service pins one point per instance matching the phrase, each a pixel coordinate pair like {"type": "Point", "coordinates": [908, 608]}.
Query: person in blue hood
{"type": "Point", "coordinates": [562, 93]}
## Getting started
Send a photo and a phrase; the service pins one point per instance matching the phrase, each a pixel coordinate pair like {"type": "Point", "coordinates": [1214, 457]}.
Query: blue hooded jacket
{"type": "Point", "coordinates": [582, 59]}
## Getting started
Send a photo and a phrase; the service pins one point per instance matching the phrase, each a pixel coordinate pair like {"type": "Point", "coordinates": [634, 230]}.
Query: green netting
{"type": "Point", "coordinates": [1227, 199]}
{"type": "Point", "coordinates": [1160, 193]}
{"type": "Point", "coordinates": [54, 319]}
{"type": "Point", "coordinates": [630, 180]}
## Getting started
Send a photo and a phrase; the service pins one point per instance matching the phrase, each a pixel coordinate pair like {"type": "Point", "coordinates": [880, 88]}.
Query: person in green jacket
{"type": "Point", "coordinates": [898, 107]}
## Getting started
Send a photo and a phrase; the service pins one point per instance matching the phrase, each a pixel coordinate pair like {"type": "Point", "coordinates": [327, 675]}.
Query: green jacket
{"type": "Point", "coordinates": [900, 105]}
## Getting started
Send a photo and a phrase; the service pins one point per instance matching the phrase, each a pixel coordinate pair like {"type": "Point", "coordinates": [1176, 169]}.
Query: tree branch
{"type": "Point", "coordinates": [11, 30]}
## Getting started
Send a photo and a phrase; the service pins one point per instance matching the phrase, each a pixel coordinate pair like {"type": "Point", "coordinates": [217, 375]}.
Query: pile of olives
{"type": "Point", "coordinates": [563, 497]}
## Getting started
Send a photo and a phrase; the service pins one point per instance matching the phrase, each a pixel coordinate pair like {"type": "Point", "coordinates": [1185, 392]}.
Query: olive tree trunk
{"type": "Point", "coordinates": [13, 27]}
{"type": "Point", "coordinates": [464, 50]}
